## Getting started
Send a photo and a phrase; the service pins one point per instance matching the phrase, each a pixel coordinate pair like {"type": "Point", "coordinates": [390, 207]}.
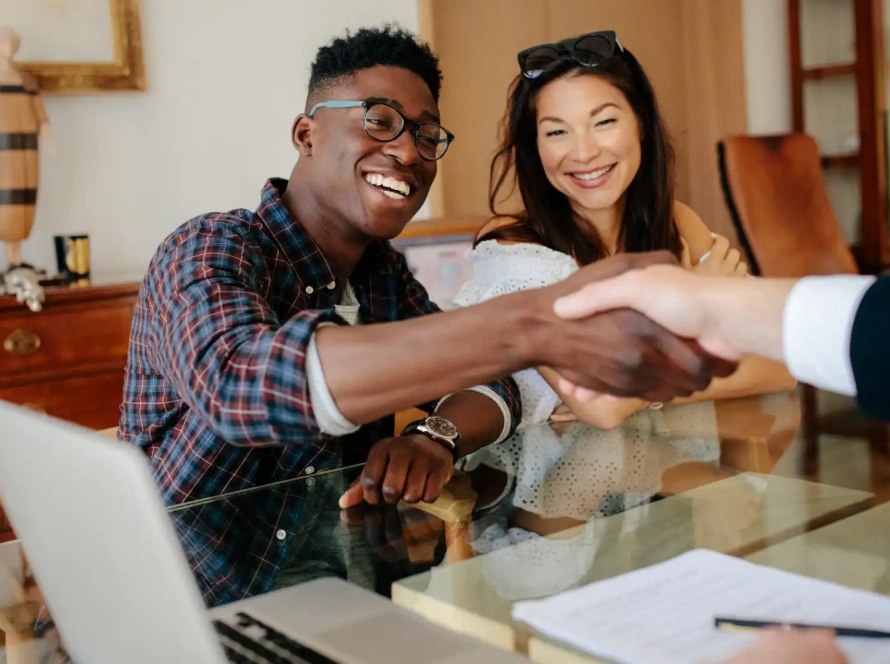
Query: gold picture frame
{"type": "Point", "coordinates": [125, 72]}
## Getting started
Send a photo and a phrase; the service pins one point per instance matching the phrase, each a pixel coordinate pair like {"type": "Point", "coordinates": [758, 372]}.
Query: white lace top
{"type": "Point", "coordinates": [499, 269]}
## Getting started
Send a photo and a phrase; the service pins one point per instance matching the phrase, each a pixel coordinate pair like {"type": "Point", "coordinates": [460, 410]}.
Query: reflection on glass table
{"type": "Point", "coordinates": [555, 506]}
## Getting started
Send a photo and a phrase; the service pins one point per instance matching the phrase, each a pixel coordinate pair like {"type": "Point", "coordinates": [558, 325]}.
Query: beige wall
{"type": "Point", "coordinates": [209, 131]}
{"type": "Point", "coordinates": [767, 77]}
{"type": "Point", "coordinates": [691, 49]}
{"type": "Point", "coordinates": [226, 79]}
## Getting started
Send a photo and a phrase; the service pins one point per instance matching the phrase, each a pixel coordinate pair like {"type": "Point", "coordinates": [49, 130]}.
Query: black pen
{"type": "Point", "coordinates": [743, 625]}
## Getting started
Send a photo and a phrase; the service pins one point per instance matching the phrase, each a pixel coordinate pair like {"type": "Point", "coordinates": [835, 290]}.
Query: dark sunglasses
{"type": "Point", "coordinates": [587, 50]}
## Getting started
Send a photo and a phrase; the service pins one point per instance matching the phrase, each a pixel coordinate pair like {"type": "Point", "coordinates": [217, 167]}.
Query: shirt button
{"type": "Point", "coordinates": [332, 285]}
{"type": "Point", "coordinates": [280, 535]}
{"type": "Point", "coordinates": [309, 290]}
{"type": "Point", "coordinates": [309, 470]}
{"type": "Point", "coordinates": [310, 481]}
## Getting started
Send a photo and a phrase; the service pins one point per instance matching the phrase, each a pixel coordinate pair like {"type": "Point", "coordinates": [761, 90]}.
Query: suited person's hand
{"type": "Point", "coordinates": [622, 352]}
{"type": "Point", "coordinates": [792, 648]}
{"type": "Point", "coordinates": [666, 294]}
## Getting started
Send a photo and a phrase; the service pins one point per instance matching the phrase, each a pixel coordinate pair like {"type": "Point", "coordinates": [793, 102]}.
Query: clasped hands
{"type": "Point", "coordinates": [619, 352]}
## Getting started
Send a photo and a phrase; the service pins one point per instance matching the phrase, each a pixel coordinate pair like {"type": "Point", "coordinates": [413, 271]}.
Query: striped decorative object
{"type": "Point", "coordinates": [21, 116]}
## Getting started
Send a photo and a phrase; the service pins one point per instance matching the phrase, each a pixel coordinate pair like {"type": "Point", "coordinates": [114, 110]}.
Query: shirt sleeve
{"type": "Point", "coordinates": [327, 415]}
{"type": "Point", "coordinates": [415, 302]}
{"type": "Point", "coordinates": [217, 341]}
{"type": "Point", "coordinates": [816, 329]}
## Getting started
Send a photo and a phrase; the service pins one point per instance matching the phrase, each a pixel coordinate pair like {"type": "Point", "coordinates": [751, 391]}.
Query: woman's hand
{"type": "Point", "coordinates": [563, 414]}
{"type": "Point", "coordinates": [720, 261]}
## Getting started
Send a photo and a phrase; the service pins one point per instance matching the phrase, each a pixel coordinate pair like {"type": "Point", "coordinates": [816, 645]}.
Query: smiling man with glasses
{"type": "Point", "coordinates": [274, 343]}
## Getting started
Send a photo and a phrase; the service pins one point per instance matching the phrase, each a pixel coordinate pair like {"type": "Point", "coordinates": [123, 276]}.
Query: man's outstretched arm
{"type": "Point", "coordinates": [375, 370]}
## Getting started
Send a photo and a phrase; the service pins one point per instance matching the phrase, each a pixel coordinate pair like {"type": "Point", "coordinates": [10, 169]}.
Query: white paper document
{"type": "Point", "coordinates": [664, 614]}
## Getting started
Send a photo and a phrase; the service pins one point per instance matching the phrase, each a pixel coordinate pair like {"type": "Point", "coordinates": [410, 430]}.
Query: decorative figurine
{"type": "Point", "coordinates": [23, 281]}
{"type": "Point", "coordinates": [23, 124]}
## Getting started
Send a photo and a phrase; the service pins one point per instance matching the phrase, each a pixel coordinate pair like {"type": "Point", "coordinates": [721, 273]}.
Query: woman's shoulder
{"type": "Point", "coordinates": [511, 249]}
{"type": "Point", "coordinates": [488, 232]}
{"type": "Point", "coordinates": [494, 247]}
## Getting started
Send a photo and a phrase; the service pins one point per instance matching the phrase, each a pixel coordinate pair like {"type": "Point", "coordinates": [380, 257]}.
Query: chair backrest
{"type": "Point", "coordinates": [779, 204]}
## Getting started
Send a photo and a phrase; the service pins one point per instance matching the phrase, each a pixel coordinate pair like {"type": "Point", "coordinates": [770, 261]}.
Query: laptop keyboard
{"type": "Point", "coordinates": [250, 641]}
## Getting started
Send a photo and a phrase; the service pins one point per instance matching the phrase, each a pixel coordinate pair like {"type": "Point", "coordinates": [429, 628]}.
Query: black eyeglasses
{"type": "Point", "coordinates": [384, 123]}
{"type": "Point", "coordinates": [587, 50]}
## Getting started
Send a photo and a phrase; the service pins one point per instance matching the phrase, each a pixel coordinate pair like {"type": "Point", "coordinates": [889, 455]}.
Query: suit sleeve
{"type": "Point", "coordinates": [870, 350]}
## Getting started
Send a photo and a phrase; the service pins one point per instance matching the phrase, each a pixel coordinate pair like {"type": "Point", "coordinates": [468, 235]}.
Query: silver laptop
{"type": "Point", "coordinates": [119, 588]}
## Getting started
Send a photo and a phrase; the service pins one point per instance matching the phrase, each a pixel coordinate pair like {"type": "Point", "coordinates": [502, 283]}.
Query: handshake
{"type": "Point", "coordinates": [652, 329]}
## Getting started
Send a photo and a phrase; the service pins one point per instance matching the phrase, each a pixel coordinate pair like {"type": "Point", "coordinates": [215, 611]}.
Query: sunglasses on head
{"type": "Point", "coordinates": [587, 50]}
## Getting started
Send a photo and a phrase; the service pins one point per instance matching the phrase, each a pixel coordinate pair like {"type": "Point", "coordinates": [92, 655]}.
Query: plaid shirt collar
{"type": "Point", "coordinates": [298, 245]}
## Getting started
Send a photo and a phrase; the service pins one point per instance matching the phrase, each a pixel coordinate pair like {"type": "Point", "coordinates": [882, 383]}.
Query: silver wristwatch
{"type": "Point", "coordinates": [437, 428]}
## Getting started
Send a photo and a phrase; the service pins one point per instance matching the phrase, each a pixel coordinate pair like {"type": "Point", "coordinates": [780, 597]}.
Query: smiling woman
{"type": "Point", "coordinates": [590, 152]}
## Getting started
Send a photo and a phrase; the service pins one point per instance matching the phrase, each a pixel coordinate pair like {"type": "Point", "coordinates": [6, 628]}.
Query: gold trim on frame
{"type": "Point", "coordinates": [79, 78]}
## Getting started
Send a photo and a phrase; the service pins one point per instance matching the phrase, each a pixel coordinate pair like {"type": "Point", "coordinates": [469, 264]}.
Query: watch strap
{"type": "Point", "coordinates": [417, 428]}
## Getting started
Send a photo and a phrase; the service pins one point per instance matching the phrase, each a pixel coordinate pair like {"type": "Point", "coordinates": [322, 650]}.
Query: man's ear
{"type": "Point", "coordinates": [301, 134]}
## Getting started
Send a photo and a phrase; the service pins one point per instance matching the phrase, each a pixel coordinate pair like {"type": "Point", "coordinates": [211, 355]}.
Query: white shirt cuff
{"type": "Point", "coordinates": [494, 396]}
{"type": "Point", "coordinates": [816, 328]}
{"type": "Point", "coordinates": [328, 417]}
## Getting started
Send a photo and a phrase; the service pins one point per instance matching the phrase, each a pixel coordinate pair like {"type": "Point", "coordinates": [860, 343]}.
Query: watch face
{"type": "Point", "coordinates": [441, 427]}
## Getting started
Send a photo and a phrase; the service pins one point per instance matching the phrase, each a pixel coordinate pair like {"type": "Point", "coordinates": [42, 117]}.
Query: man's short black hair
{"type": "Point", "coordinates": [369, 47]}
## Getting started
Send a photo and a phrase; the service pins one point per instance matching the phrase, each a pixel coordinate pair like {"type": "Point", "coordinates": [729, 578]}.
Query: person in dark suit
{"type": "Point", "coordinates": [833, 332]}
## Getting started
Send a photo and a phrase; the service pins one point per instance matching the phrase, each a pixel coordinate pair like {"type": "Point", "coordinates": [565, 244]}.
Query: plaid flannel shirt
{"type": "Point", "coordinates": [215, 390]}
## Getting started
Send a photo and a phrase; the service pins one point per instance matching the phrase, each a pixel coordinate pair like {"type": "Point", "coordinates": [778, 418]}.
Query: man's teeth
{"type": "Point", "coordinates": [593, 175]}
{"type": "Point", "coordinates": [396, 189]}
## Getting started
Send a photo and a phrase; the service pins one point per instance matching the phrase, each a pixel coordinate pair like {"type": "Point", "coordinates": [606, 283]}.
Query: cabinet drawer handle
{"type": "Point", "coordinates": [21, 342]}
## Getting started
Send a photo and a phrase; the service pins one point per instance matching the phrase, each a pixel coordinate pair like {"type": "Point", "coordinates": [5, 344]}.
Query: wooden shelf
{"type": "Point", "coordinates": [865, 73]}
{"type": "Point", "coordinates": [840, 161]}
{"type": "Point", "coordinates": [434, 227]}
{"type": "Point", "coordinates": [830, 71]}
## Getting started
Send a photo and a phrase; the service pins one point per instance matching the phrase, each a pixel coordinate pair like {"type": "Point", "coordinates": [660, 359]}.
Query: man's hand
{"type": "Point", "coordinates": [622, 352]}
{"type": "Point", "coordinates": [667, 295]}
{"type": "Point", "coordinates": [408, 468]}
{"type": "Point", "coordinates": [795, 647]}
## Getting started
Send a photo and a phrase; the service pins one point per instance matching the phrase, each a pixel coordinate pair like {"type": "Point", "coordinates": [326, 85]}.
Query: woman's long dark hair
{"type": "Point", "coordinates": [547, 217]}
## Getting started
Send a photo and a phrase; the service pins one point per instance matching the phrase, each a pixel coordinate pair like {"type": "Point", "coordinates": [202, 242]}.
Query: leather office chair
{"type": "Point", "coordinates": [776, 195]}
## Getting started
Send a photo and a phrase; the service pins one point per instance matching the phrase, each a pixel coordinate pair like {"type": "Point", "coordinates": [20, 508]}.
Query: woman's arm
{"type": "Point", "coordinates": [602, 412]}
{"type": "Point", "coordinates": [755, 375]}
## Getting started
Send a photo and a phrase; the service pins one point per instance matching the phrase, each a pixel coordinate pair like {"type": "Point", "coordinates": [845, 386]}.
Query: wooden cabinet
{"type": "Point", "coordinates": [68, 359]}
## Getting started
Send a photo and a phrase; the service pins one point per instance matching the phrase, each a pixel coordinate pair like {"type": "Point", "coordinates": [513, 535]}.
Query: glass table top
{"type": "Point", "coordinates": [556, 506]}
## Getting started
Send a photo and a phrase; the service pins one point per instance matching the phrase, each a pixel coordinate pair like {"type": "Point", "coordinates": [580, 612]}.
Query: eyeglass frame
{"type": "Point", "coordinates": [566, 47]}
{"type": "Point", "coordinates": [367, 105]}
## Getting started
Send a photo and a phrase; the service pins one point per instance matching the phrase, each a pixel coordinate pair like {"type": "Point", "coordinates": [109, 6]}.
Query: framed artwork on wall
{"type": "Point", "coordinates": [78, 46]}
